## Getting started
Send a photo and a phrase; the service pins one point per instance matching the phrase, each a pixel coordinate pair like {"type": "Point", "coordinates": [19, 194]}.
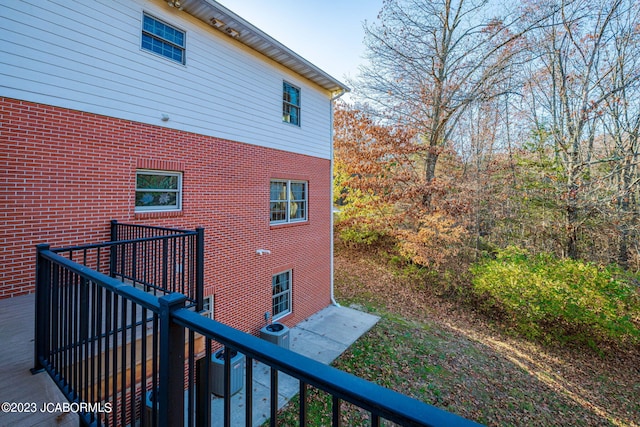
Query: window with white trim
{"type": "Point", "coordinates": [290, 104]}
{"type": "Point", "coordinates": [281, 300]}
{"type": "Point", "coordinates": [163, 39]}
{"type": "Point", "coordinates": [207, 307]}
{"type": "Point", "coordinates": [288, 201]}
{"type": "Point", "coordinates": [158, 191]}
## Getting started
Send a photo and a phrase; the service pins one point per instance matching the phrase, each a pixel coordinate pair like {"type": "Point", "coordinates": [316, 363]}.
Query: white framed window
{"type": "Point", "coordinates": [288, 201]}
{"type": "Point", "coordinates": [163, 39]}
{"type": "Point", "coordinates": [290, 104]}
{"type": "Point", "coordinates": [207, 307]}
{"type": "Point", "coordinates": [281, 300]}
{"type": "Point", "coordinates": [158, 191]}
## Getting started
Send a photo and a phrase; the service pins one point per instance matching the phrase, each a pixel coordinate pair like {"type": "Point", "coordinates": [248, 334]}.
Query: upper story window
{"type": "Point", "coordinates": [290, 104]}
{"type": "Point", "coordinates": [288, 201]}
{"type": "Point", "coordinates": [158, 191]}
{"type": "Point", "coordinates": [163, 39]}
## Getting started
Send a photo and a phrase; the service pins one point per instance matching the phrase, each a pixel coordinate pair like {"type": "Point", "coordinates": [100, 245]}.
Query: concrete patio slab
{"type": "Point", "coordinates": [323, 336]}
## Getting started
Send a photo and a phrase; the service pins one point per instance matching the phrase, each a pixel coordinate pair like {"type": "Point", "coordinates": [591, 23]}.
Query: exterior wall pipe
{"type": "Point", "coordinates": [333, 99]}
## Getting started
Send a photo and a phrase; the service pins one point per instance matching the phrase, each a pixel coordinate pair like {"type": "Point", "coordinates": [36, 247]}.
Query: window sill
{"type": "Point", "coordinates": [157, 214]}
{"type": "Point", "coordinates": [282, 316]}
{"type": "Point", "coordinates": [287, 225]}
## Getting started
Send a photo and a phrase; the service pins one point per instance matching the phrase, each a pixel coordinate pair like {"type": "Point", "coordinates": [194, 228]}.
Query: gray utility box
{"type": "Point", "coordinates": [216, 374]}
{"type": "Point", "coordinates": [148, 416]}
{"type": "Point", "coordinates": [276, 333]}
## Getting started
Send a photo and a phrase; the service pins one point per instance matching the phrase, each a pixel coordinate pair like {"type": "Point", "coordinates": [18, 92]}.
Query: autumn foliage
{"type": "Point", "coordinates": [380, 190]}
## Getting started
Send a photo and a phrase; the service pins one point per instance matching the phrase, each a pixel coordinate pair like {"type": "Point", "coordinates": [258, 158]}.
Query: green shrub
{"type": "Point", "coordinates": [545, 297]}
{"type": "Point", "coordinates": [360, 235]}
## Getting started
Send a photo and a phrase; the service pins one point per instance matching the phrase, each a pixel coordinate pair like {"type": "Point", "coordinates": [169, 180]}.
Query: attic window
{"type": "Point", "coordinates": [163, 39]}
{"type": "Point", "coordinates": [290, 104]}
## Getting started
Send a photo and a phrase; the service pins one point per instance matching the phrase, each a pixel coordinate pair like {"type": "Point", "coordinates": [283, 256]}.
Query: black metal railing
{"type": "Point", "coordinates": [156, 259]}
{"type": "Point", "coordinates": [107, 345]}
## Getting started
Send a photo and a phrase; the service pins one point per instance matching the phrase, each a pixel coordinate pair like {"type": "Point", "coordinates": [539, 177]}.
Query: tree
{"type": "Point", "coordinates": [570, 87]}
{"type": "Point", "coordinates": [622, 123]}
{"type": "Point", "coordinates": [429, 61]}
{"type": "Point", "coordinates": [372, 167]}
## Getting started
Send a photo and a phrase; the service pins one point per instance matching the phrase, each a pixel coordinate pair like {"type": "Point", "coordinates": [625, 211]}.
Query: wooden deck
{"type": "Point", "coordinates": [17, 384]}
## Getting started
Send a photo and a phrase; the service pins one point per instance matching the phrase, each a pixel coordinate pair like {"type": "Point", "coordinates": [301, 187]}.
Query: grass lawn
{"type": "Point", "coordinates": [433, 350]}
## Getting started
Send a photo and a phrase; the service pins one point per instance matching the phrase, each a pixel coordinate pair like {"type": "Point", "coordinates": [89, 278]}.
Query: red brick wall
{"type": "Point", "coordinates": [65, 174]}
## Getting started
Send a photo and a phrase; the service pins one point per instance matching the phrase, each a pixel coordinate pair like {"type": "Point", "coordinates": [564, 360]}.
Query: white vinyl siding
{"type": "Point", "coordinates": [87, 56]}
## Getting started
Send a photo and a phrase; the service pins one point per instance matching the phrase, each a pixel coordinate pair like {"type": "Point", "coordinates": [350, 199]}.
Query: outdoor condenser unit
{"type": "Point", "coordinates": [276, 333]}
{"type": "Point", "coordinates": [216, 374]}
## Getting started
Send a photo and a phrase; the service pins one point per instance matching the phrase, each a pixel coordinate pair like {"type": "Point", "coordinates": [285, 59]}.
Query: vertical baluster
{"type": "Point", "coordinates": [55, 308]}
{"type": "Point", "coordinates": [198, 266]}
{"type": "Point", "coordinates": [143, 367]}
{"type": "Point", "coordinates": [114, 353]}
{"type": "Point", "coordinates": [134, 263]}
{"type": "Point", "coordinates": [91, 343]}
{"type": "Point", "coordinates": [249, 392]}
{"type": "Point", "coordinates": [191, 392]}
{"type": "Point", "coordinates": [227, 386]}
{"type": "Point", "coordinates": [85, 319]}
{"type": "Point", "coordinates": [274, 397]}
{"type": "Point", "coordinates": [107, 338]}
{"type": "Point", "coordinates": [174, 265]}
{"type": "Point", "coordinates": [75, 322]}
{"type": "Point", "coordinates": [203, 406]}
{"type": "Point", "coordinates": [154, 369]}
{"type": "Point", "coordinates": [66, 327]}
{"type": "Point", "coordinates": [132, 361]}
{"type": "Point", "coordinates": [303, 404]}
{"type": "Point", "coordinates": [165, 266]}
{"type": "Point", "coordinates": [123, 360]}
{"type": "Point", "coordinates": [337, 419]}
{"type": "Point", "coordinates": [98, 266]}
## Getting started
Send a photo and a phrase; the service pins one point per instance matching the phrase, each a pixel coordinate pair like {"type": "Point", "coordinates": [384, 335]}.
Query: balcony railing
{"type": "Point", "coordinates": [107, 344]}
{"type": "Point", "coordinates": [156, 259]}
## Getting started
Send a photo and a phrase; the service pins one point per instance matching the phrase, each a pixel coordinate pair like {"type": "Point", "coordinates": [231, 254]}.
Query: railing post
{"type": "Point", "coordinates": [172, 339]}
{"type": "Point", "coordinates": [114, 230]}
{"type": "Point", "coordinates": [41, 333]}
{"type": "Point", "coordinates": [113, 260]}
{"type": "Point", "coordinates": [199, 269]}
{"type": "Point", "coordinates": [203, 389]}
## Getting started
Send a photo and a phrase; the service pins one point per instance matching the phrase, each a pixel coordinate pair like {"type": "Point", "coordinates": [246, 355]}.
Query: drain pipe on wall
{"type": "Point", "coordinates": [333, 99]}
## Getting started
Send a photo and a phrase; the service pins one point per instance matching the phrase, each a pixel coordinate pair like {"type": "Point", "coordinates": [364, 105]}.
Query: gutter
{"type": "Point", "coordinates": [331, 101]}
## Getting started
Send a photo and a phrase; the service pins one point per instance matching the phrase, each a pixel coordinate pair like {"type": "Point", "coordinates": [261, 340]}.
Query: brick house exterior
{"type": "Point", "coordinates": [70, 158]}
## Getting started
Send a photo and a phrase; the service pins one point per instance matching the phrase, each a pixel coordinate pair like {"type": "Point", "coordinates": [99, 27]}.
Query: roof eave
{"type": "Point", "coordinates": [258, 40]}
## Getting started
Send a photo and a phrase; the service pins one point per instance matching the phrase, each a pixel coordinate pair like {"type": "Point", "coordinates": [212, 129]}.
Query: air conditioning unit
{"type": "Point", "coordinates": [216, 373]}
{"type": "Point", "coordinates": [276, 333]}
{"type": "Point", "coordinates": [148, 416]}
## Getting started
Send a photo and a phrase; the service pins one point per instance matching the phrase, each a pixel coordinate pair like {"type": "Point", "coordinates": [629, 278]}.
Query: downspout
{"type": "Point", "coordinates": [333, 99]}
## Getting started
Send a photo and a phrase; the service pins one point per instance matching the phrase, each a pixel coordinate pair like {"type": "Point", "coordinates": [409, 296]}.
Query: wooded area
{"type": "Point", "coordinates": [478, 125]}
{"type": "Point", "coordinates": [496, 147]}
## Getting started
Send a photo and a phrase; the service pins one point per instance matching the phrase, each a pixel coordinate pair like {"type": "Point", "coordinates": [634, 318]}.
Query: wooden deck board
{"type": "Point", "coordinates": [17, 384]}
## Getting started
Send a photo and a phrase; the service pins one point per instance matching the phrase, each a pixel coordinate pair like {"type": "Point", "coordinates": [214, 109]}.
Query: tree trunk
{"type": "Point", "coordinates": [430, 173]}
{"type": "Point", "coordinates": [573, 218]}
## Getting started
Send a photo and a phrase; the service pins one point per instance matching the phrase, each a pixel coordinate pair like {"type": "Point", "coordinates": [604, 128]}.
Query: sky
{"type": "Point", "coordinates": [328, 33]}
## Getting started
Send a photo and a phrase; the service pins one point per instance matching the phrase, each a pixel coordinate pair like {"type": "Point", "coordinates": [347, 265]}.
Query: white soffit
{"type": "Point", "coordinates": [256, 39]}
